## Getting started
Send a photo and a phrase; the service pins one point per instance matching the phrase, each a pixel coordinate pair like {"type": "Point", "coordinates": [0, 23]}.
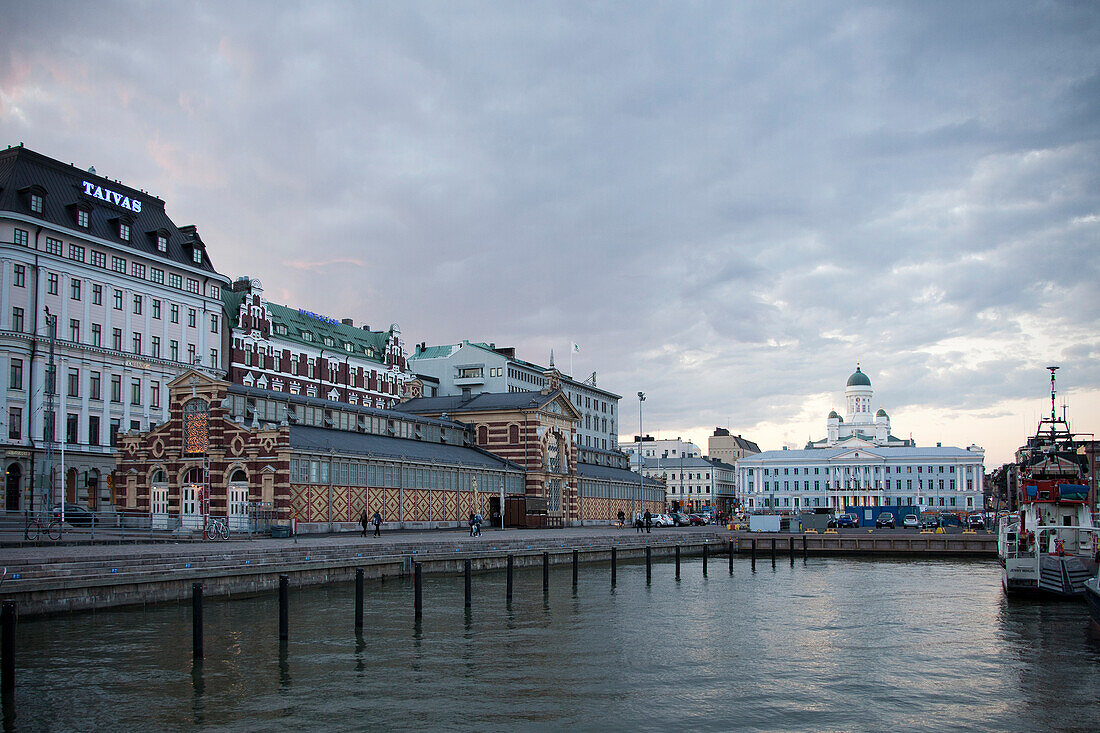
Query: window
{"type": "Point", "coordinates": [15, 423]}
{"type": "Point", "coordinates": [19, 278]}
{"type": "Point", "coordinates": [156, 309]}
{"type": "Point", "coordinates": [137, 343]}
{"type": "Point", "coordinates": [175, 280]}
{"type": "Point", "coordinates": [154, 395]}
{"type": "Point", "coordinates": [124, 231]}
{"type": "Point", "coordinates": [213, 323]}
{"type": "Point", "coordinates": [192, 285]}
{"type": "Point", "coordinates": [118, 265]}
{"type": "Point", "coordinates": [135, 391]}
{"type": "Point", "coordinates": [74, 289]}
{"type": "Point", "coordinates": [175, 314]}
{"type": "Point", "coordinates": [137, 270]}
{"type": "Point", "coordinates": [74, 383]}
{"type": "Point", "coordinates": [215, 291]}
{"type": "Point", "coordinates": [196, 255]}
{"type": "Point", "coordinates": [99, 259]}
{"type": "Point", "coordinates": [15, 374]}
{"type": "Point", "coordinates": [72, 429]}
{"type": "Point", "coordinates": [214, 358]}
{"type": "Point", "coordinates": [154, 349]}
{"type": "Point", "coordinates": [17, 319]}
{"type": "Point", "coordinates": [93, 386]}
{"type": "Point", "coordinates": [82, 218]}
{"type": "Point", "coordinates": [97, 335]}
{"type": "Point", "coordinates": [190, 317]}
{"type": "Point", "coordinates": [118, 300]}
{"type": "Point", "coordinates": [115, 424]}
{"type": "Point", "coordinates": [76, 252]}
{"type": "Point", "coordinates": [116, 339]}
{"type": "Point", "coordinates": [174, 350]}
{"type": "Point", "coordinates": [36, 203]}
{"type": "Point", "coordinates": [162, 243]}
{"type": "Point", "coordinates": [53, 246]}
{"type": "Point", "coordinates": [156, 275]}
{"type": "Point", "coordinates": [51, 283]}
{"type": "Point", "coordinates": [137, 305]}
{"type": "Point", "coordinates": [116, 389]}
{"type": "Point", "coordinates": [190, 353]}
{"type": "Point", "coordinates": [74, 330]}
{"type": "Point", "coordinates": [93, 430]}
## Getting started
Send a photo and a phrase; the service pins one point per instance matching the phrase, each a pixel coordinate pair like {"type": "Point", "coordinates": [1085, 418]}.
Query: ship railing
{"type": "Point", "coordinates": [1051, 532]}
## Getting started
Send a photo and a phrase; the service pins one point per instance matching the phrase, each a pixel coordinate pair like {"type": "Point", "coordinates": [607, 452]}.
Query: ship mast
{"type": "Point", "coordinates": [1053, 414]}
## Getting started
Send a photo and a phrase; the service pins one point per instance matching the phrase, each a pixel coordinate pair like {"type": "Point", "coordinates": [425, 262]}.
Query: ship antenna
{"type": "Point", "coordinates": [1053, 413]}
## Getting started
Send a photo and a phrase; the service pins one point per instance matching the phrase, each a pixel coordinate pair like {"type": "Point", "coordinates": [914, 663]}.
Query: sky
{"type": "Point", "coordinates": [725, 205]}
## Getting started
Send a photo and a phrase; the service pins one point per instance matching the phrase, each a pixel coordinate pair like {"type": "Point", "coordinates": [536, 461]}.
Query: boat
{"type": "Point", "coordinates": [1048, 545]}
{"type": "Point", "coordinates": [1092, 597]}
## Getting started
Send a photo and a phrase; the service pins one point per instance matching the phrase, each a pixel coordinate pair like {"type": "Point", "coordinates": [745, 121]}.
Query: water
{"type": "Point", "coordinates": [832, 644]}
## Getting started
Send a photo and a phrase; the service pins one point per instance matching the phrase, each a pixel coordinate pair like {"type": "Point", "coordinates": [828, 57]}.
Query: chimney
{"type": "Point", "coordinates": [467, 395]}
{"type": "Point", "coordinates": [347, 322]}
{"type": "Point", "coordinates": [365, 327]}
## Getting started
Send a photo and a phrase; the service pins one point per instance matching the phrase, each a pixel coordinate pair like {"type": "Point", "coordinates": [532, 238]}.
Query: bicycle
{"type": "Point", "coordinates": [35, 528]}
{"type": "Point", "coordinates": [217, 529]}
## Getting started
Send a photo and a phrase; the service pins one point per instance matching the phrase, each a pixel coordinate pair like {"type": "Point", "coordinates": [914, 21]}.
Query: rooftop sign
{"type": "Point", "coordinates": [112, 197]}
{"type": "Point", "coordinates": [318, 317]}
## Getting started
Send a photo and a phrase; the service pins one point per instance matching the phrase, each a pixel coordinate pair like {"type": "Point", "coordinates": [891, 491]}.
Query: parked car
{"type": "Point", "coordinates": [697, 520]}
{"type": "Point", "coordinates": [975, 521]}
{"type": "Point", "coordinates": [844, 520]}
{"type": "Point", "coordinates": [930, 521]}
{"type": "Point", "coordinates": [885, 519]}
{"type": "Point", "coordinates": [75, 515]}
{"type": "Point", "coordinates": [910, 521]}
{"type": "Point", "coordinates": [680, 520]}
{"type": "Point", "coordinates": [663, 520]}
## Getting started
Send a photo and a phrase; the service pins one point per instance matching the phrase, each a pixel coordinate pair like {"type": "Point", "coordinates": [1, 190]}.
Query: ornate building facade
{"type": "Point", "coordinates": [298, 352]}
{"type": "Point", "coordinates": [130, 299]}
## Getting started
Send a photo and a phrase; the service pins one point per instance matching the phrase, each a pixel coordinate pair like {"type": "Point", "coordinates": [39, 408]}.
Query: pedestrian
{"type": "Point", "coordinates": [648, 520]}
{"type": "Point", "coordinates": [622, 519]}
{"type": "Point", "coordinates": [363, 522]}
{"type": "Point", "coordinates": [638, 522]}
{"type": "Point", "coordinates": [470, 521]}
{"type": "Point", "coordinates": [477, 525]}
{"type": "Point", "coordinates": [376, 520]}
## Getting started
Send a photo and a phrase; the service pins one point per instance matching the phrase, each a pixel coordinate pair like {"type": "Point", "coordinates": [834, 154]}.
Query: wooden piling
{"type": "Point", "coordinates": [418, 589]}
{"type": "Point", "coordinates": [284, 612]}
{"type": "Point", "coordinates": [359, 599]}
{"type": "Point", "coordinates": [196, 620]}
{"type": "Point", "coordinates": [467, 571]}
{"type": "Point", "coordinates": [7, 647]}
{"type": "Point", "coordinates": [511, 567]}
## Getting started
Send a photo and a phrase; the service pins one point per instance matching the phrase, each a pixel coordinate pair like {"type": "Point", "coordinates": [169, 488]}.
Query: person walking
{"type": "Point", "coordinates": [376, 520]}
{"type": "Point", "coordinates": [364, 521]}
{"type": "Point", "coordinates": [648, 521]}
{"type": "Point", "coordinates": [622, 518]}
{"type": "Point", "coordinates": [470, 521]}
{"type": "Point", "coordinates": [477, 525]}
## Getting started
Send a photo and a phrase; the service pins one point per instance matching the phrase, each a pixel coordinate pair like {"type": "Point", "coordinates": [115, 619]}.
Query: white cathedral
{"type": "Point", "coordinates": [860, 464]}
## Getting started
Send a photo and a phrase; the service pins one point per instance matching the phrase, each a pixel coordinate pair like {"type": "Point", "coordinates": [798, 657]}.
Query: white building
{"type": "Point", "coordinates": [692, 483]}
{"type": "Point", "coordinates": [664, 449]}
{"type": "Point", "coordinates": [480, 367]}
{"type": "Point", "coordinates": [135, 300]}
{"type": "Point", "coordinates": [861, 464]}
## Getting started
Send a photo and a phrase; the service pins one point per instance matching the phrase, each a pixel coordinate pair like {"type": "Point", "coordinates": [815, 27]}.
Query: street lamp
{"type": "Point", "coordinates": [641, 457]}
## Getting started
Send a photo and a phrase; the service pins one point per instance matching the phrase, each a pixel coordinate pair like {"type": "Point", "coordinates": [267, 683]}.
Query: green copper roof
{"type": "Point", "coordinates": [881, 413]}
{"type": "Point", "coordinates": [858, 379]}
{"type": "Point", "coordinates": [292, 325]}
{"type": "Point", "coordinates": [833, 414]}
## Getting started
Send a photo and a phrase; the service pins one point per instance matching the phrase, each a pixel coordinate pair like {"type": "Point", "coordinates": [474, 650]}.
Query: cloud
{"type": "Point", "coordinates": [727, 204]}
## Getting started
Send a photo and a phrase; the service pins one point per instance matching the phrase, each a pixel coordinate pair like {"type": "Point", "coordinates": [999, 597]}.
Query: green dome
{"type": "Point", "coordinates": [858, 379]}
{"type": "Point", "coordinates": [881, 413]}
{"type": "Point", "coordinates": [833, 414]}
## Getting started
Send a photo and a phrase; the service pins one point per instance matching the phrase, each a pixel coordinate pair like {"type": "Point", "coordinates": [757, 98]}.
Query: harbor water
{"type": "Point", "coordinates": [829, 644]}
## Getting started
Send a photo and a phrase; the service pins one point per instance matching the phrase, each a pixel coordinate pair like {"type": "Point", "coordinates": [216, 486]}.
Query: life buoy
{"type": "Point", "coordinates": [1059, 547]}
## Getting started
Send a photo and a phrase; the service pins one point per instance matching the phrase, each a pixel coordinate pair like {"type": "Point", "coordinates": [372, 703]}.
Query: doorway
{"type": "Point", "coordinates": [13, 487]}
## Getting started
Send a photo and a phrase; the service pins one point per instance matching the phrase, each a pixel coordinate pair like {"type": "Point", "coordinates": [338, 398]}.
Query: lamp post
{"type": "Point", "coordinates": [641, 457]}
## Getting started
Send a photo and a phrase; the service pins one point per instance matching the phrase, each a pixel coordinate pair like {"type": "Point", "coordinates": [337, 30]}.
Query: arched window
{"type": "Point", "coordinates": [193, 476]}
{"type": "Point", "coordinates": [482, 435]}
{"type": "Point", "coordinates": [513, 434]}
{"type": "Point", "coordinates": [238, 477]}
{"type": "Point", "coordinates": [159, 477]}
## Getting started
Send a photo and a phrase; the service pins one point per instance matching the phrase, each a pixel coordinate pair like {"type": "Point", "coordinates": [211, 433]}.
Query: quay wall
{"type": "Point", "coordinates": [74, 584]}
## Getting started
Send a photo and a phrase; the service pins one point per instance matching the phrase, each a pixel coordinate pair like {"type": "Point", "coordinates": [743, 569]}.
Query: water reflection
{"type": "Point", "coordinates": [825, 644]}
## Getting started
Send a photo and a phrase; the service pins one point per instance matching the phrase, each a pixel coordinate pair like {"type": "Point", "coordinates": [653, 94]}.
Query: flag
{"type": "Point", "coordinates": [576, 347]}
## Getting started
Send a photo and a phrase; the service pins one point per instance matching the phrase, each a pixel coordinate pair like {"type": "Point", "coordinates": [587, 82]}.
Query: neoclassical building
{"type": "Point", "coordinates": [861, 464]}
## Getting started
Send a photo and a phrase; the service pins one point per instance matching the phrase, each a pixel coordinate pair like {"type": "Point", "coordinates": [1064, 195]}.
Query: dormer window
{"type": "Point", "coordinates": [34, 197]}
{"type": "Point", "coordinates": [36, 203]}
{"type": "Point", "coordinates": [162, 243]}
{"type": "Point", "coordinates": [328, 341]}
{"type": "Point", "coordinates": [307, 336]}
{"type": "Point", "coordinates": [124, 228]}
{"type": "Point", "coordinates": [349, 347]}
{"type": "Point", "coordinates": [83, 218]}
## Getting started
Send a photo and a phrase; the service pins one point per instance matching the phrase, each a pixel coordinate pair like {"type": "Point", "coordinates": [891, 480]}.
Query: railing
{"type": "Point", "coordinates": [82, 525]}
